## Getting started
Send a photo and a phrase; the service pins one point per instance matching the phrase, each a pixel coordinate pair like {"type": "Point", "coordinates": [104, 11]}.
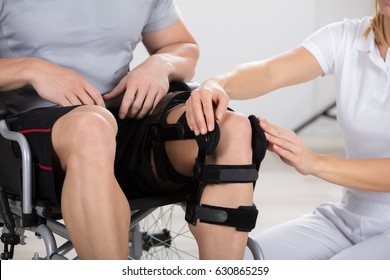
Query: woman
{"type": "Point", "coordinates": [355, 52]}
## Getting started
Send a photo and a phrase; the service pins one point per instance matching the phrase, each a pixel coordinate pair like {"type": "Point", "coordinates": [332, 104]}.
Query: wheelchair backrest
{"type": "Point", "coordinates": [10, 165]}
{"type": "Point", "coordinates": [10, 169]}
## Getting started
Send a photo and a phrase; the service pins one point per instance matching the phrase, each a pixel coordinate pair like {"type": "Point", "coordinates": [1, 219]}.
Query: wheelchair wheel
{"type": "Point", "coordinates": [163, 235]}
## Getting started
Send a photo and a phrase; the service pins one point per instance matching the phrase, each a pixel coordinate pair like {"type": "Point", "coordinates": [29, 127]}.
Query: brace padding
{"type": "Point", "coordinates": [259, 141]}
{"type": "Point", "coordinates": [242, 218]}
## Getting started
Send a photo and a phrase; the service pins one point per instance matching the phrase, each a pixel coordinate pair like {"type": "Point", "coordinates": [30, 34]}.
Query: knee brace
{"type": "Point", "coordinates": [242, 218]}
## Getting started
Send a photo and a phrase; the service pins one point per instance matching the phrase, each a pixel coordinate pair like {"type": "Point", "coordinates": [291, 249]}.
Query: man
{"type": "Point", "coordinates": [64, 72]}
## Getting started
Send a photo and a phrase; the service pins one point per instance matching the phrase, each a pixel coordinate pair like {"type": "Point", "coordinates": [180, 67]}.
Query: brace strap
{"type": "Point", "coordinates": [242, 218]}
{"type": "Point", "coordinates": [216, 174]}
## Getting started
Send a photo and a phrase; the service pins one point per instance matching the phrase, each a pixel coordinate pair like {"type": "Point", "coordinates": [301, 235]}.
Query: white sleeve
{"type": "Point", "coordinates": [325, 44]}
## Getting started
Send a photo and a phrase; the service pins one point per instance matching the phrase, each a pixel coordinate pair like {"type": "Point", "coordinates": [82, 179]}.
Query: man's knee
{"type": "Point", "coordinates": [86, 129]}
{"type": "Point", "coordinates": [234, 146]}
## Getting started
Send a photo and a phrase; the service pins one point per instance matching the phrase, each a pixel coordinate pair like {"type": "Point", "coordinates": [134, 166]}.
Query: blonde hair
{"type": "Point", "coordinates": [377, 26]}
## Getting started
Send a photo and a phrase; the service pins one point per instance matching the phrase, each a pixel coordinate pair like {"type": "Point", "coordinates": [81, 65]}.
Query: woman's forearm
{"type": "Point", "coordinates": [255, 79]}
{"type": "Point", "coordinates": [361, 174]}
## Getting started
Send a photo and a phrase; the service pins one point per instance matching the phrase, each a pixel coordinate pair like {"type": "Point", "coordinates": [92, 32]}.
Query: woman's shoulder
{"type": "Point", "coordinates": [349, 25]}
{"type": "Point", "coordinates": [345, 31]}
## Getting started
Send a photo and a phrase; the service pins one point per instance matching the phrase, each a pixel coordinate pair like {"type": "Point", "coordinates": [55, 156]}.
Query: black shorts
{"type": "Point", "coordinates": [133, 169]}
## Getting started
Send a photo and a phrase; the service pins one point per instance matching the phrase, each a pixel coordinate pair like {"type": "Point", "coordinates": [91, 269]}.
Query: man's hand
{"type": "Point", "coordinates": [143, 88]}
{"type": "Point", "coordinates": [64, 86]}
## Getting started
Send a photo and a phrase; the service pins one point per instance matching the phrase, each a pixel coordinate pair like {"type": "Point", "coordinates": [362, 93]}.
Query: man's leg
{"type": "Point", "coordinates": [95, 210]}
{"type": "Point", "coordinates": [234, 148]}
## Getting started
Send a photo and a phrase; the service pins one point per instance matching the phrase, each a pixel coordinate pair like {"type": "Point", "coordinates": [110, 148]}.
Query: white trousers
{"type": "Point", "coordinates": [348, 230]}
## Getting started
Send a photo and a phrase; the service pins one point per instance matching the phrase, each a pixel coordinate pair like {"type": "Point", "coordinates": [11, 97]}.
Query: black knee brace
{"type": "Point", "coordinates": [242, 218]}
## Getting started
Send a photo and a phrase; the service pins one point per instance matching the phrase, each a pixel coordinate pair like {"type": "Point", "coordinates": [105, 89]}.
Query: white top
{"type": "Point", "coordinates": [363, 92]}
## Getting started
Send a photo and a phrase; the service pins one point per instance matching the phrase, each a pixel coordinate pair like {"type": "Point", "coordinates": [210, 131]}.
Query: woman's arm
{"type": "Point", "coordinates": [361, 174]}
{"type": "Point", "coordinates": [258, 78]}
{"type": "Point", "coordinates": [250, 80]}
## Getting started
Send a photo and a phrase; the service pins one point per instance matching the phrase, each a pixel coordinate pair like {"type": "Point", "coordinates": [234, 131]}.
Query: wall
{"type": "Point", "coordinates": [233, 32]}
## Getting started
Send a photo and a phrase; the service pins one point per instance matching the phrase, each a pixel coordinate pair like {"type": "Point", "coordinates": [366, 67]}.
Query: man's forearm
{"type": "Point", "coordinates": [15, 72]}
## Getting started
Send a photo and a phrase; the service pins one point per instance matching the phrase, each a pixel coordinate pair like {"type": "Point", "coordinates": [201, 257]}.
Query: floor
{"type": "Point", "coordinates": [281, 193]}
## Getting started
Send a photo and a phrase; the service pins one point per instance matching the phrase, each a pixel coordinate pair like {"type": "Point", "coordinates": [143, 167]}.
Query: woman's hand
{"type": "Point", "coordinates": [289, 147]}
{"type": "Point", "coordinates": [206, 105]}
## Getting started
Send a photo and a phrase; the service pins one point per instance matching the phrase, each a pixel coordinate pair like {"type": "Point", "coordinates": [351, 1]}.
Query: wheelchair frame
{"type": "Point", "coordinates": [19, 211]}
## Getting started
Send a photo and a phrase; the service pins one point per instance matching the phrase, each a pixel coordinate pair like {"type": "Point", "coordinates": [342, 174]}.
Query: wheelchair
{"type": "Point", "coordinates": [152, 233]}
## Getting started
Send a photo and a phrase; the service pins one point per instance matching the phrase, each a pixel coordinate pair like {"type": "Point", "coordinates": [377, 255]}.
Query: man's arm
{"type": "Point", "coordinates": [53, 83]}
{"type": "Point", "coordinates": [173, 56]}
{"type": "Point", "coordinates": [15, 73]}
{"type": "Point", "coordinates": [176, 49]}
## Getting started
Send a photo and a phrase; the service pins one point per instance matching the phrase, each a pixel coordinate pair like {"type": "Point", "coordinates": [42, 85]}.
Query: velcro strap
{"type": "Point", "coordinates": [216, 174]}
{"type": "Point", "coordinates": [242, 218]}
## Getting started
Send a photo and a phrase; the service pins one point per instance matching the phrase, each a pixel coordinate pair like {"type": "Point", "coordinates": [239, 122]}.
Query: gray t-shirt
{"type": "Point", "coordinates": [96, 38]}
